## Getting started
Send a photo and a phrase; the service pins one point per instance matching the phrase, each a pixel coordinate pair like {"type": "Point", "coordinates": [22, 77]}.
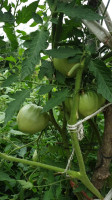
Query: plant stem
{"type": "Point", "coordinates": [71, 173]}
{"type": "Point", "coordinates": [73, 119]}
{"type": "Point", "coordinates": [90, 186]}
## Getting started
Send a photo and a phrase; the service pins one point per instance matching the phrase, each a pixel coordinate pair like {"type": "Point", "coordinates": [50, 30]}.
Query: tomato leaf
{"type": "Point", "coordinates": [14, 105]}
{"type": "Point", "coordinates": [37, 18]}
{"type": "Point", "coordinates": [25, 184]}
{"type": "Point", "coordinates": [5, 177]}
{"type": "Point", "coordinates": [49, 194]}
{"type": "Point", "coordinates": [63, 52]}
{"type": "Point", "coordinates": [57, 98]}
{"type": "Point", "coordinates": [46, 69]}
{"type": "Point", "coordinates": [34, 46]}
{"type": "Point", "coordinates": [104, 78]}
{"type": "Point", "coordinates": [22, 152]}
{"type": "Point", "coordinates": [81, 12]}
{"type": "Point", "coordinates": [45, 89]}
{"type": "Point", "coordinates": [11, 79]}
{"type": "Point", "coordinates": [9, 30]}
{"type": "Point", "coordinates": [24, 15]}
{"type": "Point", "coordinates": [7, 17]}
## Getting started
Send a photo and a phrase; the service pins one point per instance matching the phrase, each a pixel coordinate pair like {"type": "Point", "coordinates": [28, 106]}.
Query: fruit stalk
{"type": "Point", "coordinates": [73, 69]}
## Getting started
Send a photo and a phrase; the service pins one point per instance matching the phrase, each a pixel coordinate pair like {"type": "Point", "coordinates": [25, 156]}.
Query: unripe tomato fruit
{"type": "Point", "coordinates": [31, 120]}
{"type": "Point", "coordinates": [90, 102]}
{"type": "Point", "coordinates": [63, 66]}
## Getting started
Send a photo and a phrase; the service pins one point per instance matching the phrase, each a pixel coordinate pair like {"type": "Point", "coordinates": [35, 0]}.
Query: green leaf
{"type": "Point", "coordinates": [5, 197]}
{"type": "Point", "coordinates": [57, 99]}
{"type": "Point", "coordinates": [11, 59]}
{"type": "Point", "coordinates": [81, 12]}
{"type": "Point", "coordinates": [45, 89]}
{"type": "Point", "coordinates": [2, 117]}
{"type": "Point", "coordinates": [24, 15]}
{"type": "Point", "coordinates": [16, 133]}
{"type": "Point", "coordinates": [46, 69]}
{"type": "Point", "coordinates": [7, 17]}
{"type": "Point", "coordinates": [11, 79]}
{"type": "Point", "coordinates": [58, 191]}
{"type": "Point", "coordinates": [22, 152]}
{"type": "Point", "coordinates": [22, 32]}
{"type": "Point", "coordinates": [104, 78]}
{"type": "Point", "coordinates": [37, 18]}
{"type": "Point", "coordinates": [5, 177]}
{"type": "Point", "coordinates": [25, 184]}
{"type": "Point", "coordinates": [14, 106]}
{"type": "Point", "coordinates": [35, 45]}
{"type": "Point", "coordinates": [63, 52]}
{"type": "Point", "coordinates": [49, 195]}
{"type": "Point", "coordinates": [60, 78]}
{"type": "Point", "coordinates": [9, 30]}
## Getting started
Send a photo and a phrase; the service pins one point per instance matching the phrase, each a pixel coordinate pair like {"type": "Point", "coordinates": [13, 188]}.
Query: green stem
{"type": "Point", "coordinates": [71, 173]}
{"type": "Point", "coordinates": [58, 30]}
{"type": "Point", "coordinates": [62, 133]}
{"type": "Point", "coordinates": [73, 120]}
{"type": "Point", "coordinates": [76, 66]}
{"type": "Point", "coordinates": [75, 142]}
{"type": "Point", "coordinates": [91, 187]}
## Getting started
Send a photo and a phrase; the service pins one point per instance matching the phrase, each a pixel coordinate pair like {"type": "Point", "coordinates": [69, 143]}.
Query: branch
{"type": "Point", "coordinates": [72, 174]}
{"type": "Point", "coordinates": [101, 33]}
{"type": "Point", "coordinates": [107, 18]}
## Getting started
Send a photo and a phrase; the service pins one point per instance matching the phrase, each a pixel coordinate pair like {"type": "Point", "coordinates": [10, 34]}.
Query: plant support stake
{"type": "Point", "coordinates": [102, 34]}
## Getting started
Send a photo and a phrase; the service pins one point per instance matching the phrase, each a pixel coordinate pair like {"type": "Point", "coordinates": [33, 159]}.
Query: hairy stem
{"type": "Point", "coordinates": [71, 173]}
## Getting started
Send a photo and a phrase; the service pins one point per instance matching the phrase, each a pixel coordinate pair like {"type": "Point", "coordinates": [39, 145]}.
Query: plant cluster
{"type": "Point", "coordinates": [49, 78]}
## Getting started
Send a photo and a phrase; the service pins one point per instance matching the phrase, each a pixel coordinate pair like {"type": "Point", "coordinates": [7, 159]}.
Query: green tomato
{"type": "Point", "coordinates": [30, 119]}
{"type": "Point", "coordinates": [63, 66]}
{"type": "Point", "coordinates": [90, 102]}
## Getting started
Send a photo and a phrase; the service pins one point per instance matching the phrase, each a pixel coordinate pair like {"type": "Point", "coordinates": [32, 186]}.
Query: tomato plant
{"type": "Point", "coordinates": [73, 54]}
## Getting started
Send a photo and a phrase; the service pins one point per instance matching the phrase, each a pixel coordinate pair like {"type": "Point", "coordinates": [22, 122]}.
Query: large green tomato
{"type": "Point", "coordinates": [30, 119]}
{"type": "Point", "coordinates": [63, 66]}
{"type": "Point", "coordinates": [90, 102]}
